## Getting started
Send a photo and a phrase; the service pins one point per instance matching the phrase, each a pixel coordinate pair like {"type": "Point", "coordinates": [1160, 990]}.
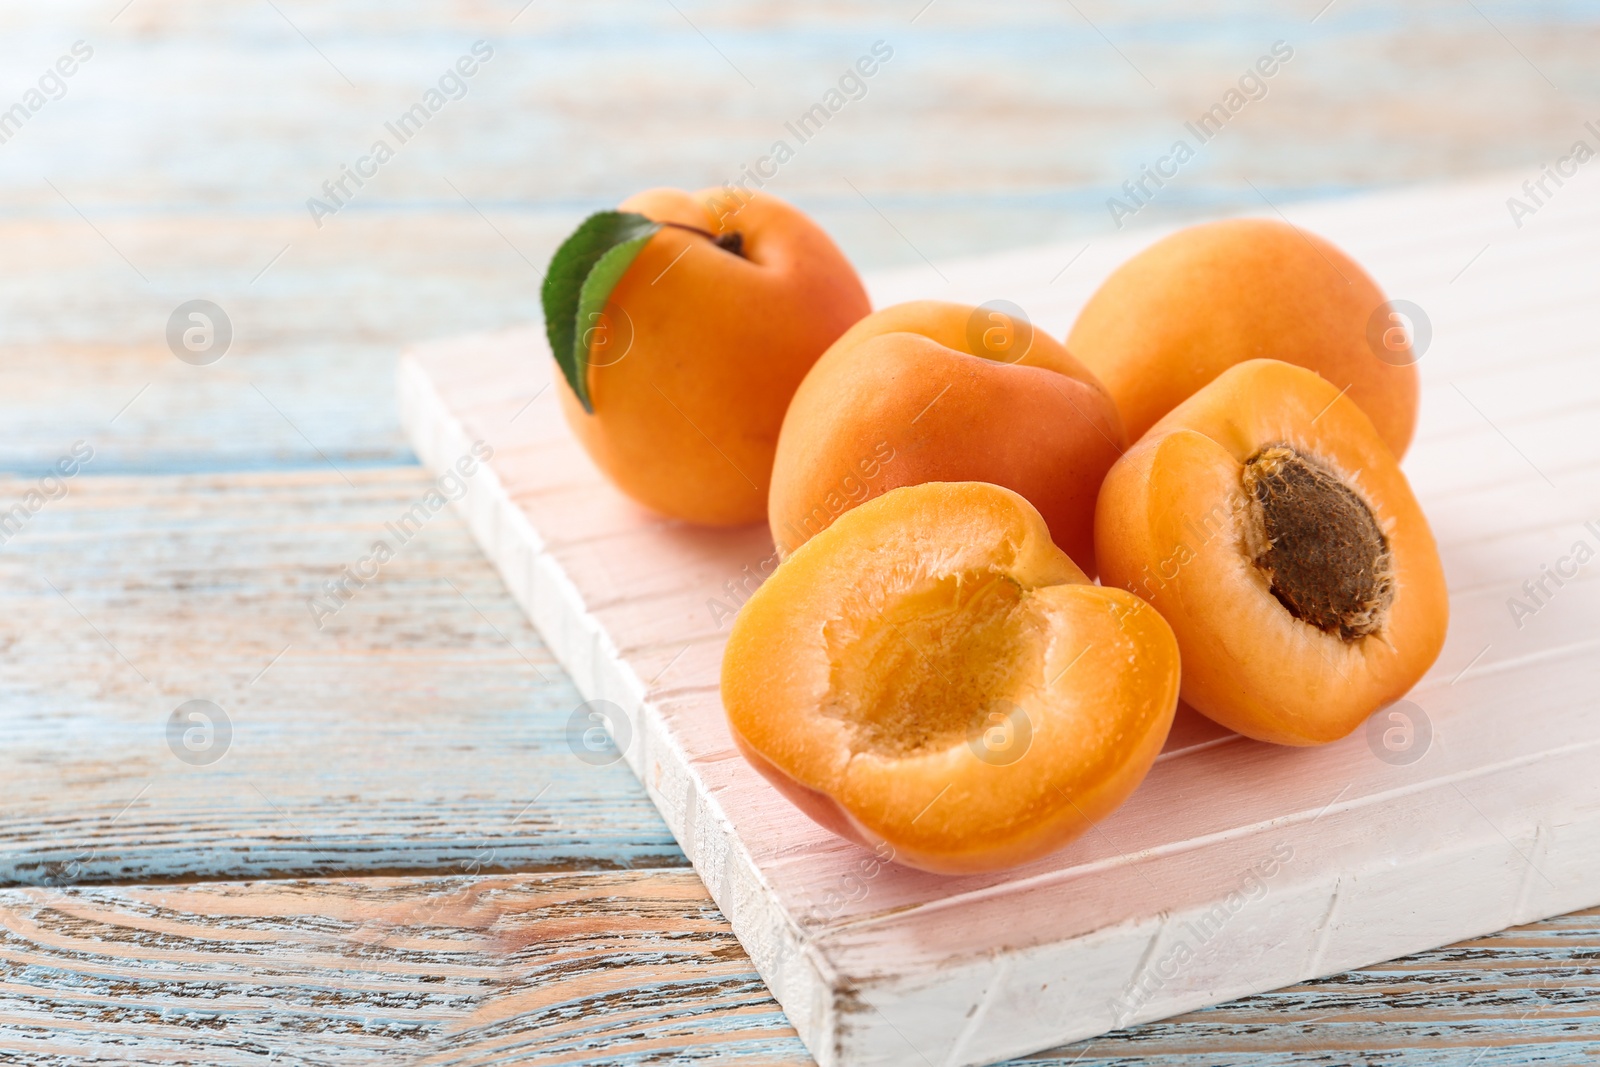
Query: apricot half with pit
{"type": "Point", "coordinates": [933, 674]}
{"type": "Point", "coordinates": [1269, 523]}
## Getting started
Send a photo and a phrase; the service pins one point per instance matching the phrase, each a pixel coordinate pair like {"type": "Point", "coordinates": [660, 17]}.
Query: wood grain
{"type": "Point", "coordinates": [1452, 1012]}
{"type": "Point", "coordinates": [638, 967]}
{"type": "Point", "coordinates": [422, 727]}
{"type": "Point", "coordinates": [590, 968]}
{"type": "Point", "coordinates": [1493, 827]}
{"type": "Point", "coordinates": [993, 126]}
{"type": "Point", "coordinates": [178, 165]}
{"type": "Point", "coordinates": [227, 560]}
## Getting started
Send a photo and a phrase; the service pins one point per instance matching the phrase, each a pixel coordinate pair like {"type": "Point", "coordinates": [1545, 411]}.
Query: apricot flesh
{"type": "Point", "coordinates": [702, 348]}
{"type": "Point", "coordinates": [931, 391]}
{"type": "Point", "coordinates": [933, 674]}
{"type": "Point", "coordinates": [1269, 523]}
{"type": "Point", "coordinates": [1195, 303]}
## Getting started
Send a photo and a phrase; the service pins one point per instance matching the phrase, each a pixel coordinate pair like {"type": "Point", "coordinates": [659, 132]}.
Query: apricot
{"type": "Point", "coordinates": [933, 674]}
{"type": "Point", "coordinates": [929, 391]}
{"type": "Point", "coordinates": [703, 342]}
{"type": "Point", "coordinates": [1269, 523]}
{"type": "Point", "coordinates": [1195, 303]}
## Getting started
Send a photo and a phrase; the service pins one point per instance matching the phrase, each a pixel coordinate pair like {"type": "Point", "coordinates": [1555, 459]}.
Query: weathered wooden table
{"type": "Point", "coordinates": [389, 850]}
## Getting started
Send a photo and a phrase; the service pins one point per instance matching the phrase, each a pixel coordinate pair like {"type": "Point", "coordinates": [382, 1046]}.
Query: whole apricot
{"type": "Point", "coordinates": [1195, 303]}
{"type": "Point", "coordinates": [929, 391]}
{"type": "Point", "coordinates": [1269, 523]}
{"type": "Point", "coordinates": [931, 673]}
{"type": "Point", "coordinates": [702, 343]}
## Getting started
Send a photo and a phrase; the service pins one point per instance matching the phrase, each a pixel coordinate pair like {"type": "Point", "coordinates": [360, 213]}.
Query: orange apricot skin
{"type": "Point", "coordinates": [686, 419]}
{"type": "Point", "coordinates": [1193, 304]}
{"type": "Point", "coordinates": [903, 398]}
{"type": "Point", "coordinates": [1119, 674]}
{"type": "Point", "coordinates": [1168, 527]}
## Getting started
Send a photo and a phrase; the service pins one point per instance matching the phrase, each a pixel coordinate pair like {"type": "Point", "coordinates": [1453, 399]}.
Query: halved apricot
{"type": "Point", "coordinates": [932, 673]}
{"type": "Point", "coordinates": [1269, 523]}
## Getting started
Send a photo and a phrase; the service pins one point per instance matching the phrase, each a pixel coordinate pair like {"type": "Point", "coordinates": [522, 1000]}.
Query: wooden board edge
{"type": "Point", "coordinates": [842, 1018]}
{"type": "Point", "coordinates": [791, 968]}
{"type": "Point", "coordinates": [1505, 872]}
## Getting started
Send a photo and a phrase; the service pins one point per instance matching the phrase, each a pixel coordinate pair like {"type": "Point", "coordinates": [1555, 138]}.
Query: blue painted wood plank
{"type": "Point", "coordinates": [412, 722]}
{"type": "Point", "coordinates": [639, 967]}
{"type": "Point", "coordinates": [180, 159]}
{"type": "Point", "coordinates": [190, 144]}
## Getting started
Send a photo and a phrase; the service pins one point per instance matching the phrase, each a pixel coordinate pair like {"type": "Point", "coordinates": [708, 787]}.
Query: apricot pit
{"type": "Point", "coordinates": [1317, 542]}
{"type": "Point", "coordinates": [1269, 523]}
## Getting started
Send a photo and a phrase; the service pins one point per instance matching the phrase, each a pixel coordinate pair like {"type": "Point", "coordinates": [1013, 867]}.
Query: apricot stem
{"type": "Point", "coordinates": [732, 241]}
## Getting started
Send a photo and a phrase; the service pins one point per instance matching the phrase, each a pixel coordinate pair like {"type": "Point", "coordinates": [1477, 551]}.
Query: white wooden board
{"type": "Point", "coordinates": [1237, 866]}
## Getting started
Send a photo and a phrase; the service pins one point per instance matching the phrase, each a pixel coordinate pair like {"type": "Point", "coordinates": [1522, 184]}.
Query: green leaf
{"type": "Point", "coordinates": [582, 274]}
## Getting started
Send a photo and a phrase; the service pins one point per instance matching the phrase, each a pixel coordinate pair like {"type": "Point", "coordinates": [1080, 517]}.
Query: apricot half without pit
{"type": "Point", "coordinates": [1269, 523]}
{"type": "Point", "coordinates": [931, 673]}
